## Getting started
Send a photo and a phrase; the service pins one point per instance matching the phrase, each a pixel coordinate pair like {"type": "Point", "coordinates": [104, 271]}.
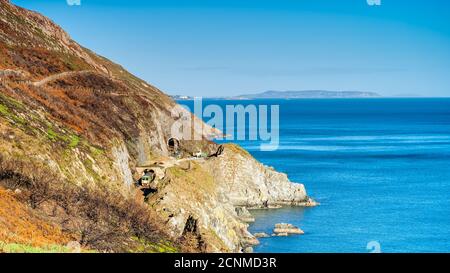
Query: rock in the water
{"type": "Point", "coordinates": [261, 235]}
{"type": "Point", "coordinates": [287, 228]}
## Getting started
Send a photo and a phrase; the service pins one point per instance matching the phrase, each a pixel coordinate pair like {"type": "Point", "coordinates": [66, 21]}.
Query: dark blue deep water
{"type": "Point", "coordinates": [379, 167]}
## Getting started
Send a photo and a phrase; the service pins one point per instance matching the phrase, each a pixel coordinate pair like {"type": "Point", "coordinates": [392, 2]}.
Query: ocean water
{"type": "Point", "coordinates": [379, 167]}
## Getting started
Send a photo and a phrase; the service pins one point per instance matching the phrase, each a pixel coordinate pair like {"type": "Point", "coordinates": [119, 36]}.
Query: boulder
{"type": "Point", "coordinates": [244, 215]}
{"type": "Point", "coordinates": [287, 228]}
{"type": "Point", "coordinates": [248, 250]}
{"type": "Point", "coordinates": [74, 246]}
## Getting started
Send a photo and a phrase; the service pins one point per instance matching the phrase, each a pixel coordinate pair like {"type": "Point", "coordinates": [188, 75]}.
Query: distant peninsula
{"type": "Point", "coordinates": [308, 94]}
{"type": "Point", "coordinates": [305, 94]}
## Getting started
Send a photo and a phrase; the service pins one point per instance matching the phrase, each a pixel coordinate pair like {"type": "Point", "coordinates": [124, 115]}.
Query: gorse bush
{"type": "Point", "coordinates": [101, 219]}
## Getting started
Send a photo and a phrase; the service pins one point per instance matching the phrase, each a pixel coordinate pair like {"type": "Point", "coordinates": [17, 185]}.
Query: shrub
{"type": "Point", "coordinates": [103, 219]}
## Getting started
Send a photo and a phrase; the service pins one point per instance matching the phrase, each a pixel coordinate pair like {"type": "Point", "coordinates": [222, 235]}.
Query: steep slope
{"type": "Point", "coordinates": [19, 226]}
{"type": "Point", "coordinates": [66, 111]}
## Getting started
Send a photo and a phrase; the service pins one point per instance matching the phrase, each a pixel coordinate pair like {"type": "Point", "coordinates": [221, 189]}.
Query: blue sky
{"type": "Point", "coordinates": [228, 47]}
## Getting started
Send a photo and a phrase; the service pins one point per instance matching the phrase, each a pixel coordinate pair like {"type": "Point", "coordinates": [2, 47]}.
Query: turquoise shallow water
{"type": "Point", "coordinates": [379, 167]}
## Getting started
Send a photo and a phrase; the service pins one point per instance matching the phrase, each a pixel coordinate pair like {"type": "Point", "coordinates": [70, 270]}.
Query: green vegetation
{"type": "Point", "coordinates": [22, 248]}
{"type": "Point", "coordinates": [72, 63]}
{"type": "Point", "coordinates": [88, 164]}
{"type": "Point", "coordinates": [150, 247]}
{"type": "Point", "coordinates": [74, 140]}
{"type": "Point", "coordinates": [70, 139]}
{"type": "Point", "coordinates": [35, 125]}
{"type": "Point", "coordinates": [95, 150]}
{"type": "Point", "coordinates": [52, 135]}
{"type": "Point", "coordinates": [176, 171]}
{"type": "Point", "coordinates": [3, 109]}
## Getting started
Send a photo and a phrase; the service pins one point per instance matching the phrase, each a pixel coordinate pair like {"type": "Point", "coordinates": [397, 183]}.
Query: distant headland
{"type": "Point", "coordinates": [305, 94]}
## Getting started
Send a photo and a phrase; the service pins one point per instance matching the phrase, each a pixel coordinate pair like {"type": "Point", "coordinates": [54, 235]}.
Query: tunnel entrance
{"type": "Point", "coordinates": [173, 145]}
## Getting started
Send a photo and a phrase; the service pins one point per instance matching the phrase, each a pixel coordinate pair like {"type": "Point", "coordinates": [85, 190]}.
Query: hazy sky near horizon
{"type": "Point", "coordinates": [230, 47]}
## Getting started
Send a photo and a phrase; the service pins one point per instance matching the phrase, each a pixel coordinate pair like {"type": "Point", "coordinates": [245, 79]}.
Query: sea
{"type": "Point", "coordinates": [380, 169]}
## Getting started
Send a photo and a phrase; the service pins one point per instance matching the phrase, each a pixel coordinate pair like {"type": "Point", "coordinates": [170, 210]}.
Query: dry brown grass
{"type": "Point", "coordinates": [19, 224]}
{"type": "Point", "coordinates": [99, 218]}
{"type": "Point", "coordinates": [92, 105]}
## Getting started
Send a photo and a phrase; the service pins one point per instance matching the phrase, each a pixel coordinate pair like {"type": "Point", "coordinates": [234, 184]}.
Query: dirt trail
{"type": "Point", "coordinates": [44, 81]}
{"type": "Point", "coordinates": [61, 76]}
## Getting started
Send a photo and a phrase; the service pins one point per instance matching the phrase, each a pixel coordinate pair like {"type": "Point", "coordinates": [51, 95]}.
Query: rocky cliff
{"type": "Point", "coordinates": [93, 125]}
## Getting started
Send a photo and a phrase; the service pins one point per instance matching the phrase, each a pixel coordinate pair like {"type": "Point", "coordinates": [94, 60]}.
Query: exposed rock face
{"type": "Point", "coordinates": [284, 229]}
{"type": "Point", "coordinates": [248, 183]}
{"type": "Point", "coordinates": [122, 159]}
{"type": "Point", "coordinates": [94, 123]}
{"type": "Point", "coordinates": [244, 215]}
{"type": "Point", "coordinates": [223, 188]}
